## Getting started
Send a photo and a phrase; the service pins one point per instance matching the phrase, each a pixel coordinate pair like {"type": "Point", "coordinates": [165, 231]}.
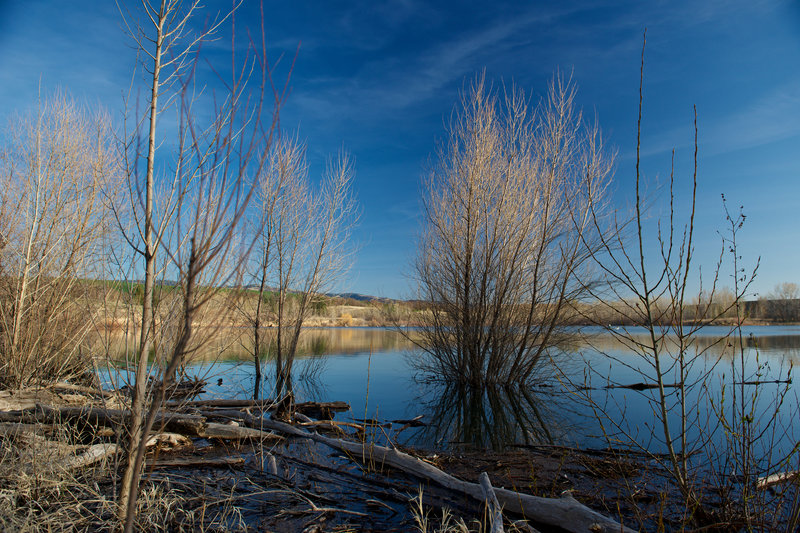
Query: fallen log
{"type": "Point", "coordinates": [113, 418]}
{"type": "Point", "coordinates": [98, 452]}
{"type": "Point", "coordinates": [565, 512]}
{"type": "Point", "coordinates": [186, 388]}
{"type": "Point", "coordinates": [774, 479]}
{"type": "Point", "coordinates": [307, 408]}
{"type": "Point", "coordinates": [331, 425]}
{"type": "Point", "coordinates": [411, 422]}
{"type": "Point", "coordinates": [62, 385]}
{"type": "Point", "coordinates": [197, 462]}
{"type": "Point", "coordinates": [230, 404]}
{"type": "Point", "coordinates": [373, 422]}
{"type": "Point", "coordinates": [18, 429]}
{"type": "Point", "coordinates": [644, 386]}
{"type": "Point", "coordinates": [168, 440]}
{"type": "Point", "coordinates": [182, 424]}
{"type": "Point", "coordinates": [603, 452]}
{"type": "Point", "coordinates": [91, 455]}
{"type": "Point", "coordinates": [214, 430]}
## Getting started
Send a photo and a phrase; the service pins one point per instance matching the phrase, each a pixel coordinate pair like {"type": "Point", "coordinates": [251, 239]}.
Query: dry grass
{"type": "Point", "coordinates": [38, 493]}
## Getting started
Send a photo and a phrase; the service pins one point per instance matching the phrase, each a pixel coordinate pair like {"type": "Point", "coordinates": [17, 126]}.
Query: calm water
{"type": "Point", "coordinates": [371, 370]}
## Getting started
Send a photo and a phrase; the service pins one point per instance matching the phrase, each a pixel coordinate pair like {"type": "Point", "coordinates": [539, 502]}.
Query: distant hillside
{"type": "Point", "coordinates": [358, 297]}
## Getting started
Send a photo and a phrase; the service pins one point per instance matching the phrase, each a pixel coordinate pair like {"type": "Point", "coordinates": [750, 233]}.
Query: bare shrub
{"type": "Point", "coordinates": [506, 230]}
{"type": "Point", "coordinates": [53, 174]}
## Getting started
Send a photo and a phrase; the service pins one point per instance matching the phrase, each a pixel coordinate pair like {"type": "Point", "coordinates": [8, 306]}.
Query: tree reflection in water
{"type": "Point", "coordinates": [459, 416]}
{"type": "Point", "coordinates": [307, 386]}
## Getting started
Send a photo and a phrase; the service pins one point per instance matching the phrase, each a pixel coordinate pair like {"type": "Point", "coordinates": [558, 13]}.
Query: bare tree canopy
{"type": "Point", "coordinates": [506, 230]}
{"type": "Point", "coordinates": [302, 247]}
{"type": "Point", "coordinates": [53, 173]}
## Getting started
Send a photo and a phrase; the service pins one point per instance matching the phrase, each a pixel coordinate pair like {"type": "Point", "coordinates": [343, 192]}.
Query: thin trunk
{"type": "Point", "coordinates": [132, 475]}
{"type": "Point", "coordinates": [19, 306]}
{"type": "Point", "coordinates": [257, 326]}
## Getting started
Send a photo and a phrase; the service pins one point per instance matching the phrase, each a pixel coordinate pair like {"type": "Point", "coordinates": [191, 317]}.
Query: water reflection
{"type": "Point", "coordinates": [368, 368]}
{"type": "Point", "coordinates": [235, 344]}
{"type": "Point", "coordinates": [780, 345]}
{"type": "Point", "coordinates": [490, 417]}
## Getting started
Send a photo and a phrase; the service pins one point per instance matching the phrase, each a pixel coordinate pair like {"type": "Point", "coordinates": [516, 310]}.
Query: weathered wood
{"type": "Point", "coordinates": [321, 410]}
{"type": "Point", "coordinates": [61, 385]}
{"type": "Point", "coordinates": [212, 403]}
{"type": "Point", "coordinates": [411, 422]}
{"type": "Point", "coordinates": [774, 479]}
{"type": "Point", "coordinates": [495, 511]}
{"type": "Point", "coordinates": [372, 422]}
{"type": "Point", "coordinates": [91, 455]}
{"type": "Point", "coordinates": [95, 416]}
{"type": "Point", "coordinates": [197, 462]}
{"type": "Point", "coordinates": [226, 431]}
{"type": "Point", "coordinates": [565, 512]}
{"type": "Point", "coordinates": [168, 440]}
{"type": "Point", "coordinates": [18, 429]}
{"type": "Point", "coordinates": [331, 425]}
{"type": "Point", "coordinates": [263, 405]}
{"type": "Point", "coordinates": [20, 399]}
{"type": "Point", "coordinates": [183, 424]}
{"type": "Point", "coordinates": [98, 452]}
{"type": "Point", "coordinates": [272, 464]}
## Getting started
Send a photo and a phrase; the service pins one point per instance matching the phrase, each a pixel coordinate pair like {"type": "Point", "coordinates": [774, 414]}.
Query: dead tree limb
{"type": "Point", "coordinates": [93, 454]}
{"type": "Point", "coordinates": [495, 511]}
{"type": "Point", "coordinates": [774, 479]}
{"type": "Point", "coordinates": [197, 462]}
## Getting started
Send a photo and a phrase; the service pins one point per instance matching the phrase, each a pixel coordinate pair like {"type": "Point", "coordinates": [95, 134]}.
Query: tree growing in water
{"type": "Point", "coordinates": [506, 230]}
{"type": "Point", "coordinates": [301, 249]}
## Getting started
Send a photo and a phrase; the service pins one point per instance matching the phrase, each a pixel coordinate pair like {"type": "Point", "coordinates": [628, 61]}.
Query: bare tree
{"type": "Point", "coordinates": [205, 186]}
{"type": "Point", "coordinates": [649, 278]}
{"type": "Point", "coordinates": [505, 232]}
{"type": "Point", "coordinates": [52, 176]}
{"type": "Point", "coordinates": [302, 241]}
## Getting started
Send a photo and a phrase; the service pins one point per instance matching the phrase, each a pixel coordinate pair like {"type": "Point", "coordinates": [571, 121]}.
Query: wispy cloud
{"type": "Point", "coordinates": [393, 83]}
{"type": "Point", "coordinates": [772, 117]}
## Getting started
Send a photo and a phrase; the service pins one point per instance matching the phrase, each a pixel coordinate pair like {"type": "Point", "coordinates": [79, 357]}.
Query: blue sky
{"type": "Point", "coordinates": [380, 78]}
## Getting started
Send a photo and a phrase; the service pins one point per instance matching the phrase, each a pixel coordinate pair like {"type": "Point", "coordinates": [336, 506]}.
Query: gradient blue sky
{"type": "Point", "coordinates": [380, 78]}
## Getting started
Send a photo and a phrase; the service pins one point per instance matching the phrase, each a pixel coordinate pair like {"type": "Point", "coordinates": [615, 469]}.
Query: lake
{"type": "Point", "coordinates": [570, 403]}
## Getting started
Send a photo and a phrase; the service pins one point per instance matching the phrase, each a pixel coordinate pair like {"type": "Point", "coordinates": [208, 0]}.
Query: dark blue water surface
{"type": "Point", "coordinates": [371, 369]}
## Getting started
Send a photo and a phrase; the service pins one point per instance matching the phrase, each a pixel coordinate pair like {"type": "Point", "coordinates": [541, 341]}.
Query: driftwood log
{"type": "Point", "coordinates": [183, 424]}
{"type": "Point", "coordinates": [227, 431]}
{"type": "Point", "coordinates": [95, 416]}
{"type": "Point", "coordinates": [565, 512]}
{"type": "Point", "coordinates": [93, 454]}
{"type": "Point", "coordinates": [320, 410]}
{"type": "Point", "coordinates": [197, 462]}
{"type": "Point", "coordinates": [774, 479]}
